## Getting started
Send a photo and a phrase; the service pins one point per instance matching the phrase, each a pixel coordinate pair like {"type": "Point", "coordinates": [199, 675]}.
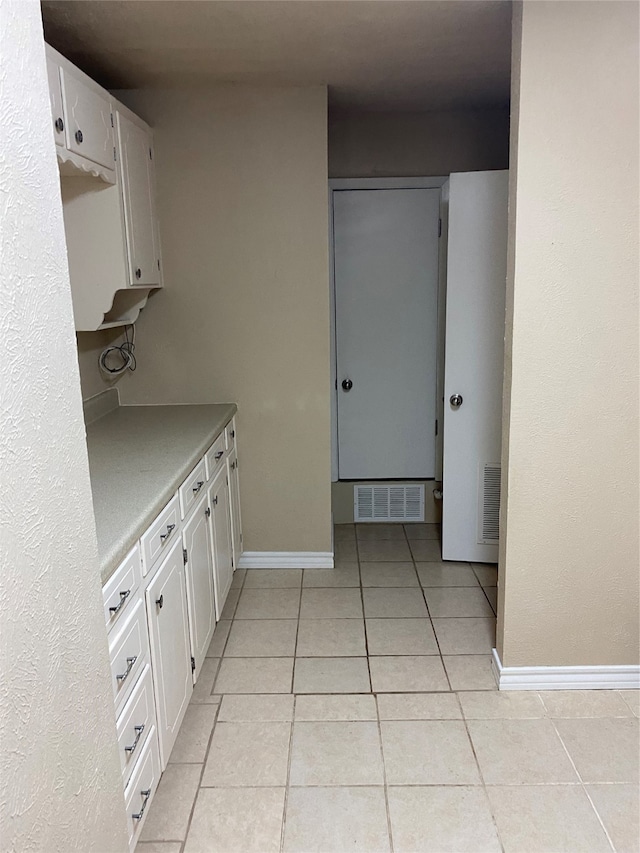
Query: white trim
{"type": "Point", "coordinates": [337, 184]}
{"type": "Point", "coordinates": [286, 560]}
{"type": "Point", "coordinates": [564, 677]}
{"type": "Point", "coordinates": [433, 183]}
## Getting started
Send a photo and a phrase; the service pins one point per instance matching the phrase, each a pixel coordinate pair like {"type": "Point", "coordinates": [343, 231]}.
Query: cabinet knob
{"type": "Point", "coordinates": [215, 501]}
{"type": "Point", "coordinates": [79, 136]}
{"type": "Point", "coordinates": [207, 512]}
{"type": "Point", "coordinates": [138, 273]}
{"type": "Point", "coordinates": [59, 125]}
{"type": "Point", "coordinates": [160, 602]}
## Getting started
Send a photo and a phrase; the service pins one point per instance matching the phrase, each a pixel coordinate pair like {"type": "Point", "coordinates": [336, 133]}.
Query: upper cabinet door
{"type": "Point", "coordinates": [55, 96]}
{"type": "Point", "coordinates": [135, 153]}
{"type": "Point", "coordinates": [89, 121]}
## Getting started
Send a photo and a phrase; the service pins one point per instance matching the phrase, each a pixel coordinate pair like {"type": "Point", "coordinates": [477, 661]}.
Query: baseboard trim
{"type": "Point", "coordinates": [564, 677]}
{"type": "Point", "coordinates": [286, 560]}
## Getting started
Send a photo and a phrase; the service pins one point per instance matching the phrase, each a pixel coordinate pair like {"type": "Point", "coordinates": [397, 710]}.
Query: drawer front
{"type": "Point", "coordinates": [214, 456]}
{"type": "Point", "coordinates": [192, 487]}
{"type": "Point", "coordinates": [230, 435]}
{"type": "Point", "coordinates": [141, 788]}
{"type": "Point", "coordinates": [128, 653]}
{"type": "Point", "coordinates": [135, 722]}
{"type": "Point", "coordinates": [162, 533]}
{"type": "Point", "coordinates": [119, 591]}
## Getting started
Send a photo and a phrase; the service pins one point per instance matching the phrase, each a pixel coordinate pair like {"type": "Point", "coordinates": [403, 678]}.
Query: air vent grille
{"type": "Point", "coordinates": [489, 515]}
{"type": "Point", "coordinates": [401, 502]}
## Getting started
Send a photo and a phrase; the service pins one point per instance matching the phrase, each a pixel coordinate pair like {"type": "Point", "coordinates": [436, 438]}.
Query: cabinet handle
{"type": "Point", "coordinates": [138, 730]}
{"type": "Point", "coordinates": [146, 794]}
{"type": "Point", "coordinates": [233, 466]}
{"type": "Point", "coordinates": [233, 433]}
{"type": "Point", "coordinates": [138, 273]}
{"type": "Point", "coordinates": [79, 136]}
{"type": "Point", "coordinates": [59, 125]}
{"type": "Point", "coordinates": [123, 597]}
{"type": "Point", "coordinates": [160, 602]}
{"type": "Point", "coordinates": [219, 455]}
{"type": "Point", "coordinates": [207, 512]}
{"type": "Point", "coordinates": [165, 536]}
{"type": "Point", "coordinates": [130, 662]}
{"type": "Point", "coordinates": [215, 501]}
{"type": "Point", "coordinates": [198, 486]}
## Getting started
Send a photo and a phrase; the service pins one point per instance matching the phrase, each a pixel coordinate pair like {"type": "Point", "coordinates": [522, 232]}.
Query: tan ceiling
{"type": "Point", "coordinates": [383, 55]}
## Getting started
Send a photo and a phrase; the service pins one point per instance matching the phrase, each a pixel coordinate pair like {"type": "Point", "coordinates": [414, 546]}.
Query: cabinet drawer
{"type": "Point", "coordinates": [88, 120]}
{"type": "Point", "coordinates": [119, 590]}
{"type": "Point", "coordinates": [135, 722]}
{"type": "Point", "coordinates": [162, 532]}
{"type": "Point", "coordinates": [214, 455]}
{"type": "Point", "coordinates": [142, 787]}
{"type": "Point", "coordinates": [128, 653]}
{"type": "Point", "coordinates": [191, 489]}
{"type": "Point", "coordinates": [230, 435]}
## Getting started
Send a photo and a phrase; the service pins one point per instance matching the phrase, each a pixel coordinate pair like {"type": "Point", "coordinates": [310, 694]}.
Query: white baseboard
{"type": "Point", "coordinates": [286, 560]}
{"type": "Point", "coordinates": [564, 677]}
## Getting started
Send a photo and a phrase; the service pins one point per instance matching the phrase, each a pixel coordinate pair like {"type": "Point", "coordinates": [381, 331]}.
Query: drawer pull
{"type": "Point", "coordinates": [233, 466]}
{"type": "Point", "coordinates": [165, 536]}
{"type": "Point", "coordinates": [160, 602]}
{"type": "Point", "coordinates": [131, 749]}
{"type": "Point", "coordinates": [197, 487]}
{"type": "Point", "coordinates": [130, 662]}
{"type": "Point", "coordinates": [219, 455]}
{"type": "Point", "coordinates": [233, 433]}
{"type": "Point", "coordinates": [146, 794]}
{"type": "Point", "coordinates": [123, 597]}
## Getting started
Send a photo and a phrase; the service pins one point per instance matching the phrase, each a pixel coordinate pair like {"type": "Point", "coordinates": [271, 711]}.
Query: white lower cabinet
{"type": "Point", "coordinates": [221, 537]}
{"type": "Point", "coordinates": [170, 647]}
{"type": "Point", "coordinates": [160, 607]}
{"type": "Point", "coordinates": [199, 576]}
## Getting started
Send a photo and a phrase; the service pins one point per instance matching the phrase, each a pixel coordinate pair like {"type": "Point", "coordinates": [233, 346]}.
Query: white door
{"type": "Point", "coordinates": [234, 499]}
{"type": "Point", "coordinates": [199, 571]}
{"type": "Point", "coordinates": [137, 175]}
{"type": "Point", "coordinates": [221, 537]}
{"type": "Point", "coordinates": [170, 648]}
{"type": "Point", "coordinates": [474, 351]}
{"type": "Point", "coordinates": [386, 294]}
{"type": "Point", "coordinates": [89, 122]}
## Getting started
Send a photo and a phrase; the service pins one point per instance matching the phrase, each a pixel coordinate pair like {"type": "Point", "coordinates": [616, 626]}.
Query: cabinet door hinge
{"type": "Point", "coordinates": [111, 119]}
{"type": "Point", "coordinates": [193, 664]}
{"type": "Point", "coordinates": [184, 556]}
{"type": "Point", "coordinates": [150, 154]}
{"type": "Point", "coordinates": [436, 427]}
{"type": "Point", "coordinates": [114, 153]}
{"type": "Point", "coordinates": [439, 227]}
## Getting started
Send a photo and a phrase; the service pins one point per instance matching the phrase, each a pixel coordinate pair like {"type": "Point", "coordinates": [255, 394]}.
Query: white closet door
{"type": "Point", "coordinates": [474, 353]}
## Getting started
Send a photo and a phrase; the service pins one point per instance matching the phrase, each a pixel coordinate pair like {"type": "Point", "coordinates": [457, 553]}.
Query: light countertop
{"type": "Point", "coordinates": [138, 456]}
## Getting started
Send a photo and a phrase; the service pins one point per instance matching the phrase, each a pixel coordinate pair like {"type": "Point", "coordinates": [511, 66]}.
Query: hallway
{"type": "Point", "coordinates": [355, 709]}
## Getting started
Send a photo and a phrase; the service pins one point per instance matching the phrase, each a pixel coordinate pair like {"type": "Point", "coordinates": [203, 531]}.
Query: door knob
{"type": "Point", "coordinates": [456, 400]}
{"type": "Point", "coordinates": [347, 385]}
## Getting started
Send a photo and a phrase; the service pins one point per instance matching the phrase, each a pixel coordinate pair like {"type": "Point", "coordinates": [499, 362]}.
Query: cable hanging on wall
{"type": "Point", "coordinates": [117, 359]}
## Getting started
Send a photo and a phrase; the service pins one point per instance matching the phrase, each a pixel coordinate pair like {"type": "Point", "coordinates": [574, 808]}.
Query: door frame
{"type": "Point", "coordinates": [337, 184]}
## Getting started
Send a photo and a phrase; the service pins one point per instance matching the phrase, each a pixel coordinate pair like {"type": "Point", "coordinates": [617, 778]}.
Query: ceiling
{"type": "Point", "coordinates": [380, 55]}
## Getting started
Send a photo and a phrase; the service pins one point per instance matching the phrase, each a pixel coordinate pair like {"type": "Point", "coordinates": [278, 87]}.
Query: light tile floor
{"type": "Point", "coordinates": [355, 710]}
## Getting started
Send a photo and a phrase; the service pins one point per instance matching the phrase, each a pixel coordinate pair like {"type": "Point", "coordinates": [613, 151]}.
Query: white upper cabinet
{"type": "Point", "coordinates": [135, 148]}
{"type": "Point", "coordinates": [89, 120]}
{"type": "Point", "coordinates": [55, 96]}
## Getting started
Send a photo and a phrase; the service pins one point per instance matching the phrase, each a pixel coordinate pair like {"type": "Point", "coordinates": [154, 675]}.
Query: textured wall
{"type": "Point", "coordinates": [569, 560]}
{"type": "Point", "coordinates": [60, 782]}
{"type": "Point", "coordinates": [244, 317]}
{"type": "Point", "coordinates": [375, 144]}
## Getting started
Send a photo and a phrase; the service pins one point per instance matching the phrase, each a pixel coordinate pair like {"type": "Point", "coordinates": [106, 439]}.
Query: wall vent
{"type": "Point", "coordinates": [489, 505]}
{"type": "Point", "coordinates": [401, 502]}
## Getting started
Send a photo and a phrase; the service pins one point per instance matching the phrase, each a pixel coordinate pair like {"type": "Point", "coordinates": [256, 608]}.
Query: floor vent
{"type": "Point", "coordinates": [402, 502]}
{"type": "Point", "coordinates": [489, 515]}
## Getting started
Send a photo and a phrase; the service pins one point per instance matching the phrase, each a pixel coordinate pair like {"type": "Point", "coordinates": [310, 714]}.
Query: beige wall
{"type": "Point", "coordinates": [371, 145]}
{"type": "Point", "coordinates": [569, 560]}
{"type": "Point", "coordinates": [242, 193]}
{"type": "Point", "coordinates": [60, 778]}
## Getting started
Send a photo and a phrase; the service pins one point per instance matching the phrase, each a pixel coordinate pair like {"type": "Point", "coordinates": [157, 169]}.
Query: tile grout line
{"type": "Point", "coordinates": [287, 784]}
{"type": "Point", "coordinates": [384, 775]}
{"type": "Point", "coordinates": [295, 645]}
{"type": "Point", "coordinates": [364, 619]}
{"type": "Point", "coordinates": [580, 779]}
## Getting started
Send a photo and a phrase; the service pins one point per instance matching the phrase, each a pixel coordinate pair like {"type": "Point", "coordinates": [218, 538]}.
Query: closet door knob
{"type": "Point", "coordinates": [456, 400]}
{"type": "Point", "coordinates": [79, 136]}
{"type": "Point", "coordinates": [59, 125]}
